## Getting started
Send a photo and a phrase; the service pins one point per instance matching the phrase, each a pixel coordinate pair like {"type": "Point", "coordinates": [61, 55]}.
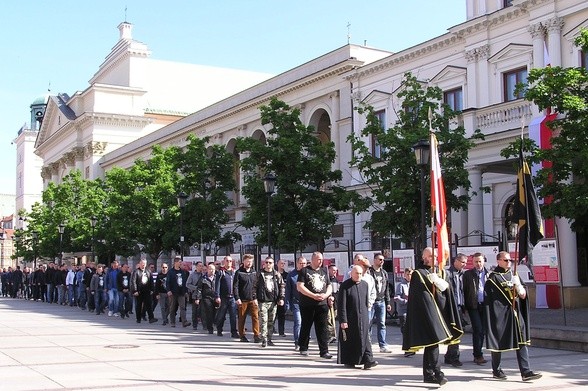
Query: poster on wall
{"type": "Point", "coordinates": [545, 261]}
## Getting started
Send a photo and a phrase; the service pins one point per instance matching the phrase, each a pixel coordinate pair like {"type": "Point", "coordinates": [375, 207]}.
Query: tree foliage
{"type": "Point", "coordinates": [394, 177]}
{"type": "Point", "coordinates": [207, 176]}
{"type": "Point", "coordinates": [565, 92]}
{"type": "Point", "coordinates": [307, 190]}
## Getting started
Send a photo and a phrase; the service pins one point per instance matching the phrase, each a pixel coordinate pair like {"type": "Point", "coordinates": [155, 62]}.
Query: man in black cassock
{"type": "Point", "coordinates": [431, 317]}
{"type": "Point", "coordinates": [507, 318]}
{"type": "Point", "coordinates": [355, 347]}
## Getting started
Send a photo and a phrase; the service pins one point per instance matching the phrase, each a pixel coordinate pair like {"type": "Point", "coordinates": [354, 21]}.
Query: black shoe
{"type": "Point", "coordinates": [455, 363]}
{"type": "Point", "coordinates": [186, 324]}
{"type": "Point", "coordinates": [332, 341]}
{"type": "Point", "coordinates": [499, 375]}
{"type": "Point", "coordinates": [409, 354]}
{"type": "Point", "coordinates": [350, 366]}
{"type": "Point", "coordinates": [164, 322]}
{"type": "Point", "coordinates": [282, 335]}
{"type": "Point", "coordinates": [235, 336]}
{"type": "Point", "coordinates": [244, 339]}
{"type": "Point", "coordinates": [528, 376]}
{"type": "Point", "coordinates": [437, 379]}
{"type": "Point", "coordinates": [304, 353]}
{"type": "Point", "coordinates": [270, 342]}
{"type": "Point", "coordinates": [263, 343]}
{"type": "Point", "coordinates": [327, 356]}
{"type": "Point", "coordinates": [152, 320]}
{"type": "Point", "coordinates": [219, 333]}
{"type": "Point", "coordinates": [370, 364]}
{"type": "Point", "coordinates": [257, 339]}
{"type": "Point", "coordinates": [139, 321]}
{"type": "Point", "coordinates": [210, 331]}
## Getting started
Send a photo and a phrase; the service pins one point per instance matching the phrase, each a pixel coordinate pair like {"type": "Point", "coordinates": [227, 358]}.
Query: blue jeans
{"type": "Point", "coordinates": [100, 300]}
{"type": "Point", "coordinates": [81, 296]}
{"type": "Point", "coordinates": [49, 294]}
{"type": "Point", "coordinates": [297, 322]}
{"type": "Point", "coordinates": [70, 295]}
{"type": "Point", "coordinates": [379, 312]}
{"type": "Point", "coordinates": [125, 303]}
{"type": "Point", "coordinates": [227, 305]}
{"type": "Point", "coordinates": [113, 300]}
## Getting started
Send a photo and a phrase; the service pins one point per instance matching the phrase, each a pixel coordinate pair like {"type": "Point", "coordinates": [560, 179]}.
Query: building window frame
{"type": "Point", "coordinates": [377, 149]}
{"type": "Point", "coordinates": [454, 98]}
{"type": "Point", "coordinates": [509, 81]}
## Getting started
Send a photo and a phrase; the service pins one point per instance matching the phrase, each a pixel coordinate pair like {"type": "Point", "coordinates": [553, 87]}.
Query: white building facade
{"type": "Point", "coordinates": [476, 63]}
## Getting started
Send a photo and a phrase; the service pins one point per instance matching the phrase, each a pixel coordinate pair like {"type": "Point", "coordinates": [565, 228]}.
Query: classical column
{"type": "Point", "coordinates": [554, 27]}
{"type": "Point", "coordinates": [537, 32]}
{"type": "Point", "coordinates": [567, 252]}
{"type": "Point", "coordinates": [475, 207]}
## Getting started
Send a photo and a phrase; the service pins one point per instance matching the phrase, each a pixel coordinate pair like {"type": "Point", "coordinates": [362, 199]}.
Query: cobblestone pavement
{"type": "Point", "coordinates": [51, 347]}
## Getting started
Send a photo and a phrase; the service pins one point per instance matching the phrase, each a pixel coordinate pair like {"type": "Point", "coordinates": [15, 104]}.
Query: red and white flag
{"type": "Point", "coordinates": [438, 205]}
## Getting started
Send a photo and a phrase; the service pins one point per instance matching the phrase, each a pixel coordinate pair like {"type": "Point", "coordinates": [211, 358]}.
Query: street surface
{"type": "Point", "coordinates": [51, 347]}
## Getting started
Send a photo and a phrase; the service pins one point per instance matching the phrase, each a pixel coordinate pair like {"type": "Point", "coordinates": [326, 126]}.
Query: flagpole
{"type": "Point", "coordinates": [430, 118]}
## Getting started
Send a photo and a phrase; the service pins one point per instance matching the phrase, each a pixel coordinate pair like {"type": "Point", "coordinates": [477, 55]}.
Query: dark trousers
{"type": "Point", "coordinates": [319, 316]}
{"type": "Point", "coordinates": [431, 368]}
{"type": "Point", "coordinates": [143, 303]}
{"type": "Point", "coordinates": [281, 317]}
{"type": "Point", "coordinates": [477, 318]}
{"type": "Point", "coordinates": [522, 360]}
{"type": "Point", "coordinates": [227, 305]}
{"type": "Point", "coordinates": [208, 312]}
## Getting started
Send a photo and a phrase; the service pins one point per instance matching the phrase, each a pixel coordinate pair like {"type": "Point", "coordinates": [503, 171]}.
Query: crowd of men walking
{"type": "Point", "coordinates": [432, 305]}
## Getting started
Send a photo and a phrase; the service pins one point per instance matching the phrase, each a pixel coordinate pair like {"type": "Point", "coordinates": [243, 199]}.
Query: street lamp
{"type": "Point", "coordinates": [16, 239]}
{"type": "Point", "coordinates": [35, 245]}
{"type": "Point", "coordinates": [422, 153]}
{"type": "Point", "coordinates": [61, 229]}
{"type": "Point", "coordinates": [182, 197]}
{"type": "Point", "coordinates": [2, 249]}
{"type": "Point", "coordinates": [93, 221]}
{"type": "Point", "coordinates": [269, 183]}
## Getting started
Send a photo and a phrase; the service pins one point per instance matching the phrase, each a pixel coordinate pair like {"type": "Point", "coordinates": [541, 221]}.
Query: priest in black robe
{"type": "Point", "coordinates": [432, 316]}
{"type": "Point", "coordinates": [507, 318]}
{"type": "Point", "coordinates": [355, 347]}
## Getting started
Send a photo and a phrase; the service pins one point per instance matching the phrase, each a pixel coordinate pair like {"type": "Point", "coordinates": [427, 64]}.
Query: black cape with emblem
{"type": "Point", "coordinates": [352, 308]}
{"type": "Point", "coordinates": [432, 316]}
{"type": "Point", "coordinates": [507, 326]}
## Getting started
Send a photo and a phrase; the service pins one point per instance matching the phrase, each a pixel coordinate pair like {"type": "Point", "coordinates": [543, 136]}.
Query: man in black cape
{"type": "Point", "coordinates": [355, 347]}
{"type": "Point", "coordinates": [507, 318]}
{"type": "Point", "coordinates": [432, 316]}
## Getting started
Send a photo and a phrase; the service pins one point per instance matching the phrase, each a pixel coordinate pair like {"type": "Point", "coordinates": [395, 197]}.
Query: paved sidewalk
{"type": "Point", "coordinates": [51, 347]}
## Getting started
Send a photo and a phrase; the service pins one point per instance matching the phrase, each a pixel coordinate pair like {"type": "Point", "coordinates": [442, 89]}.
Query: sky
{"type": "Point", "coordinates": [60, 44]}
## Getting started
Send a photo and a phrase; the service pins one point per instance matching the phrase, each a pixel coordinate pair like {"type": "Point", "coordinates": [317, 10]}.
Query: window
{"type": "Point", "coordinates": [511, 79]}
{"type": "Point", "coordinates": [507, 3]}
{"type": "Point", "coordinates": [454, 99]}
{"type": "Point", "coordinates": [377, 149]}
{"type": "Point", "coordinates": [584, 60]}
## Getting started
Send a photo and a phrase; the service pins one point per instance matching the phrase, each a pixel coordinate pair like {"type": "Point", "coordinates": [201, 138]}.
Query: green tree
{"type": "Point", "coordinates": [564, 91]}
{"type": "Point", "coordinates": [141, 207]}
{"type": "Point", "coordinates": [308, 195]}
{"type": "Point", "coordinates": [71, 203]}
{"type": "Point", "coordinates": [394, 177]}
{"type": "Point", "coordinates": [207, 177]}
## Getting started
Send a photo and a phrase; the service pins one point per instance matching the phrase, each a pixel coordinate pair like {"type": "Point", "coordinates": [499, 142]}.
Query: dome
{"type": "Point", "coordinates": [41, 100]}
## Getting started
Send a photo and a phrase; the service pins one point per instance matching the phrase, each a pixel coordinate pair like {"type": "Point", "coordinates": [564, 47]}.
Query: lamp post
{"type": "Point", "coordinates": [2, 249]}
{"type": "Point", "coordinates": [16, 239]}
{"type": "Point", "coordinates": [61, 229]}
{"type": "Point", "coordinates": [93, 221]}
{"type": "Point", "coordinates": [182, 197]}
{"type": "Point", "coordinates": [269, 183]}
{"type": "Point", "coordinates": [35, 245]}
{"type": "Point", "coordinates": [422, 153]}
